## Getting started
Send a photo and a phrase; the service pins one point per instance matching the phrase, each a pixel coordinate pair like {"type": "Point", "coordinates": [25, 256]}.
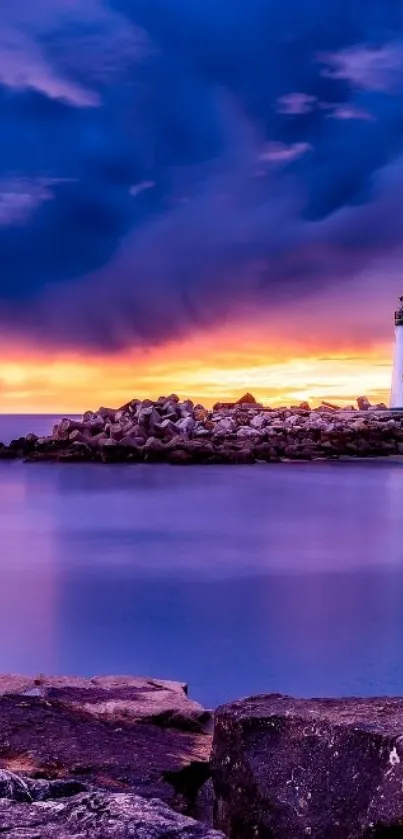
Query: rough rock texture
{"type": "Point", "coordinates": [116, 698]}
{"type": "Point", "coordinates": [328, 769]}
{"type": "Point", "coordinates": [126, 734]}
{"type": "Point", "coordinates": [170, 431]}
{"type": "Point", "coordinates": [98, 815]}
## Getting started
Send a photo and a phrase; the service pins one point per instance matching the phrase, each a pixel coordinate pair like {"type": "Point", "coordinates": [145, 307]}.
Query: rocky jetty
{"type": "Point", "coordinates": [171, 431]}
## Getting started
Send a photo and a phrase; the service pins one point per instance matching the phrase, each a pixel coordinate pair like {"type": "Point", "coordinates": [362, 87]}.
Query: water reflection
{"type": "Point", "coordinates": [239, 580]}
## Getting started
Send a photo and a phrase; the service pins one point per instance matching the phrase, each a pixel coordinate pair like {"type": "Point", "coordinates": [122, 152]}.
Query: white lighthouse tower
{"type": "Point", "coordinates": [396, 399]}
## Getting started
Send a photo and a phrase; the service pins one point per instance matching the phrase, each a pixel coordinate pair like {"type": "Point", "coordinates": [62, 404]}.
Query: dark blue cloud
{"type": "Point", "coordinates": [161, 163]}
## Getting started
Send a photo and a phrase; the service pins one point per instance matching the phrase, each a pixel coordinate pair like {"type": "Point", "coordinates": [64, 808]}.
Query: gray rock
{"type": "Point", "coordinates": [186, 426]}
{"type": "Point", "coordinates": [168, 429]}
{"type": "Point", "coordinates": [224, 427]}
{"type": "Point", "coordinates": [329, 769]}
{"type": "Point", "coordinates": [78, 437]}
{"type": "Point", "coordinates": [116, 432]}
{"type": "Point", "coordinates": [259, 421]}
{"type": "Point", "coordinates": [107, 414]}
{"type": "Point", "coordinates": [245, 432]}
{"type": "Point", "coordinates": [106, 443]}
{"type": "Point", "coordinates": [98, 815]}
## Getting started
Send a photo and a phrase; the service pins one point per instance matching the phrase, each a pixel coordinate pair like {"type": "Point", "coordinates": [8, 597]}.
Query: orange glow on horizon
{"type": "Point", "coordinates": [218, 365]}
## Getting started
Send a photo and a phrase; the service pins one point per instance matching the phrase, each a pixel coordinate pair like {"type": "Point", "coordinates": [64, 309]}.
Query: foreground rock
{"type": "Point", "coordinates": [167, 430]}
{"type": "Point", "coordinates": [327, 769]}
{"type": "Point", "coordinates": [98, 815]}
{"type": "Point", "coordinates": [118, 734]}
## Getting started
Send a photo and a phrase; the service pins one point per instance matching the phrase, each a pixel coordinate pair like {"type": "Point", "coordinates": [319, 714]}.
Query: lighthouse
{"type": "Point", "coordinates": [396, 399]}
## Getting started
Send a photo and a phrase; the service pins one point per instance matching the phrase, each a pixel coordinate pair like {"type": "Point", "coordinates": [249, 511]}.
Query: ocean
{"type": "Point", "coordinates": [284, 577]}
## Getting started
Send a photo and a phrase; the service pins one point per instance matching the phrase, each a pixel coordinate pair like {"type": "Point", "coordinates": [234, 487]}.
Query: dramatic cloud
{"type": "Point", "coordinates": [164, 164]}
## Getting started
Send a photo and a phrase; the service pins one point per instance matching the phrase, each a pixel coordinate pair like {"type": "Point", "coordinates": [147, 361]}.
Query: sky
{"type": "Point", "coordinates": [200, 196]}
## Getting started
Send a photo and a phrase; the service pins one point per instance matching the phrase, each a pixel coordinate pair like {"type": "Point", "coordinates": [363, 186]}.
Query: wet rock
{"type": "Point", "coordinates": [179, 457]}
{"type": "Point", "coordinates": [154, 449]}
{"type": "Point", "coordinates": [244, 456]}
{"type": "Point", "coordinates": [98, 815]}
{"type": "Point", "coordinates": [328, 769]}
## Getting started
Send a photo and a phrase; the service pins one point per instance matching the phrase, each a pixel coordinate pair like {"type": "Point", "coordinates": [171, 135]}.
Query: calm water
{"type": "Point", "coordinates": [238, 580]}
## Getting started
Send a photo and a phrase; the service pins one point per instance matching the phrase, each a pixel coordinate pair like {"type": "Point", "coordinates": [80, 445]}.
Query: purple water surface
{"type": "Point", "coordinates": [235, 579]}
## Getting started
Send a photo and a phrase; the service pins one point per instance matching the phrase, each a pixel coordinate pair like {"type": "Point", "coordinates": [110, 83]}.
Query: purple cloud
{"type": "Point", "coordinates": [366, 68]}
{"type": "Point", "coordinates": [20, 197]}
{"type": "Point", "coordinates": [346, 112]}
{"type": "Point", "coordinates": [296, 103]}
{"type": "Point", "coordinates": [281, 153]}
{"type": "Point", "coordinates": [27, 63]}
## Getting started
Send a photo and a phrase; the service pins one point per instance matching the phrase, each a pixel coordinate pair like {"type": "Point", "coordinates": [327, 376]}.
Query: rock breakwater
{"type": "Point", "coordinates": [181, 432]}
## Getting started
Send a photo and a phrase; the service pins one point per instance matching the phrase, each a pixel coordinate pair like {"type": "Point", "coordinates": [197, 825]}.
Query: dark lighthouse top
{"type": "Point", "coordinates": [399, 313]}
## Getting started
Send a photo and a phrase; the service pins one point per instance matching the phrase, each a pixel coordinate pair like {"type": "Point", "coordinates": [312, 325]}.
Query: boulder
{"type": "Point", "coordinates": [330, 406]}
{"type": "Point", "coordinates": [106, 442]}
{"type": "Point", "coordinates": [328, 769]}
{"type": "Point", "coordinates": [200, 413]}
{"type": "Point", "coordinates": [224, 427]}
{"type": "Point", "coordinates": [245, 432]}
{"type": "Point", "coordinates": [363, 403]}
{"type": "Point", "coordinates": [107, 414]}
{"type": "Point", "coordinates": [186, 408]}
{"type": "Point", "coordinates": [98, 815]}
{"type": "Point", "coordinates": [78, 437]}
{"type": "Point", "coordinates": [154, 449]}
{"type": "Point", "coordinates": [168, 429]}
{"type": "Point", "coordinates": [121, 733]}
{"type": "Point", "coordinates": [116, 432]}
{"type": "Point", "coordinates": [186, 426]}
{"type": "Point", "coordinates": [259, 421]}
{"type": "Point", "coordinates": [247, 399]}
